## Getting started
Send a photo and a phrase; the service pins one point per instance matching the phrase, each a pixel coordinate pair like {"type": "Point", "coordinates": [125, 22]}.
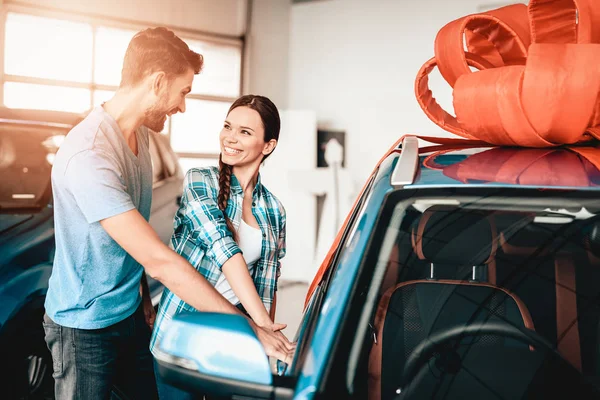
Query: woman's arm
{"type": "Point", "coordinates": [236, 273]}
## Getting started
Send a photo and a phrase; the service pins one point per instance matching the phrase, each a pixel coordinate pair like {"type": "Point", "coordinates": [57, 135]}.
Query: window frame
{"type": "Point", "coordinates": [114, 23]}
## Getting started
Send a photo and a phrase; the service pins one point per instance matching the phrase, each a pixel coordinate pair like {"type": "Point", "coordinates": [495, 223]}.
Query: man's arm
{"type": "Point", "coordinates": [135, 235]}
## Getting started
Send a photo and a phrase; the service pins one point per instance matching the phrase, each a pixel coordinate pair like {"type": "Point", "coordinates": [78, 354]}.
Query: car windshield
{"type": "Point", "coordinates": [487, 297]}
{"type": "Point", "coordinates": [26, 154]}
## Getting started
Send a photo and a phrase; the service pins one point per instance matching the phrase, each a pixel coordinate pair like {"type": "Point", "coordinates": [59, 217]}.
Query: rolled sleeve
{"type": "Point", "coordinates": [96, 182]}
{"type": "Point", "coordinates": [205, 220]}
{"type": "Point", "coordinates": [222, 250]}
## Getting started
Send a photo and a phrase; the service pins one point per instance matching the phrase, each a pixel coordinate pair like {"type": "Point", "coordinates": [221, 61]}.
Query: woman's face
{"type": "Point", "coordinates": [243, 138]}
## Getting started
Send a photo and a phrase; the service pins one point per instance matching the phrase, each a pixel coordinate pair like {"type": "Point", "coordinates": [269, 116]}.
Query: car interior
{"type": "Point", "coordinates": [488, 302]}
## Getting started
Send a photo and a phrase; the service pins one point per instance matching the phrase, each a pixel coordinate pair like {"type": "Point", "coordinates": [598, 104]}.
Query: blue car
{"type": "Point", "coordinates": [463, 271]}
{"type": "Point", "coordinates": [28, 141]}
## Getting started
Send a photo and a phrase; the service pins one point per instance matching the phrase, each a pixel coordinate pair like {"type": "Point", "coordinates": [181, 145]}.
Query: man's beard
{"type": "Point", "coordinates": [155, 118]}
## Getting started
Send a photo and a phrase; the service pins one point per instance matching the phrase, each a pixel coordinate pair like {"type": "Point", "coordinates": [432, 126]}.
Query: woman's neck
{"type": "Point", "coordinates": [247, 176]}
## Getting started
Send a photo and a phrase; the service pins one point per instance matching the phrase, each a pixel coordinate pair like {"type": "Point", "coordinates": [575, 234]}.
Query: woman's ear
{"type": "Point", "coordinates": [269, 147]}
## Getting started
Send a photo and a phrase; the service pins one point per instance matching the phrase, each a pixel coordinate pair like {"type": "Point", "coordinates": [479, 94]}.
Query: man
{"type": "Point", "coordinates": [102, 184]}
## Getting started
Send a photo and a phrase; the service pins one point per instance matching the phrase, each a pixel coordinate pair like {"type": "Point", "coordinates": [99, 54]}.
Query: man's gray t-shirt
{"type": "Point", "coordinates": [95, 175]}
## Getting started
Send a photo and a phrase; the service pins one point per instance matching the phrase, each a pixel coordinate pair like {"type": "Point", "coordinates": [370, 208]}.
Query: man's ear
{"type": "Point", "coordinates": [269, 147]}
{"type": "Point", "coordinates": [159, 82]}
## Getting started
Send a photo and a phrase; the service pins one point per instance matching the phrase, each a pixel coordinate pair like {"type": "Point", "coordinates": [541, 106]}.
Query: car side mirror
{"type": "Point", "coordinates": [214, 354]}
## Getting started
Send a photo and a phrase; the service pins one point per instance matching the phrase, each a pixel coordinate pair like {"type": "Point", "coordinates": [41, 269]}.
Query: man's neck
{"type": "Point", "coordinates": [125, 108]}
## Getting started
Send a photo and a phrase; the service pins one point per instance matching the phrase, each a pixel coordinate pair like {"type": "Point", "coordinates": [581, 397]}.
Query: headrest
{"type": "Point", "coordinates": [451, 235]}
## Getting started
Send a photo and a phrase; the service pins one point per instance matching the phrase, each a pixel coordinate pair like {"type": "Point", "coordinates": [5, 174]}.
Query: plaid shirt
{"type": "Point", "coordinates": [201, 236]}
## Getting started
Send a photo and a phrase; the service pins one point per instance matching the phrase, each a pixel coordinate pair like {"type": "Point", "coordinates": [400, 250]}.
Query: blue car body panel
{"type": "Point", "coordinates": [18, 289]}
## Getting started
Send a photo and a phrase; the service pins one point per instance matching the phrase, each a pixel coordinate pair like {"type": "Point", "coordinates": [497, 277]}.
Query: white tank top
{"type": "Point", "coordinates": [250, 242]}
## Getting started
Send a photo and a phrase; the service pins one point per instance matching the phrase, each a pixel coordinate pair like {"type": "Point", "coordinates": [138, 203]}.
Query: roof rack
{"type": "Point", "coordinates": [406, 167]}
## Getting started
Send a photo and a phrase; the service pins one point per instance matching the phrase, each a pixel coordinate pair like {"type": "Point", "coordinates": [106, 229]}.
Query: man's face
{"type": "Point", "coordinates": [171, 100]}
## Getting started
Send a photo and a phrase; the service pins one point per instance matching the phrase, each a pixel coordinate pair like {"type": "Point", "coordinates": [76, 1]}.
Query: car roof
{"type": "Point", "coordinates": [460, 163]}
{"type": "Point", "coordinates": [419, 162]}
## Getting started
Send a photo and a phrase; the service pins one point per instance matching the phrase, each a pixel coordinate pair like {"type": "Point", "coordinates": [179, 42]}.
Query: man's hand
{"type": "Point", "coordinates": [277, 328]}
{"type": "Point", "coordinates": [275, 343]}
{"type": "Point", "coordinates": [149, 312]}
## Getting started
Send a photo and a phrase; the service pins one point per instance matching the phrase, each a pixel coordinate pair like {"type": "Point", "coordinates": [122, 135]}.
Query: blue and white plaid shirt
{"type": "Point", "coordinates": [201, 236]}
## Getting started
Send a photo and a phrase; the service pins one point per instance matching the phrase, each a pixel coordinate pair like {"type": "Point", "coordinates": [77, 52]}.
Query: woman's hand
{"type": "Point", "coordinates": [268, 333]}
{"type": "Point", "coordinates": [274, 342]}
{"type": "Point", "coordinates": [277, 328]}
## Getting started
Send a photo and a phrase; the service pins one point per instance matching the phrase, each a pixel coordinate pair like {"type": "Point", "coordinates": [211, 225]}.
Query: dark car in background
{"type": "Point", "coordinates": [29, 140]}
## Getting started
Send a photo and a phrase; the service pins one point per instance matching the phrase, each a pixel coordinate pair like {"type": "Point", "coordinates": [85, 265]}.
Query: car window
{"type": "Point", "coordinates": [475, 292]}
{"type": "Point", "coordinates": [26, 155]}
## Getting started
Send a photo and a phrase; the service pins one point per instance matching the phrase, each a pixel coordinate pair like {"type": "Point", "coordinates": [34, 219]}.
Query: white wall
{"type": "Point", "coordinates": [354, 62]}
{"type": "Point", "coordinates": [287, 174]}
{"type": "Point", "coordinates": [344, 65]}
{"type": "Point", "coordinates": [226, 17]}
{"type": "Point", "coordinates": [267, 49]}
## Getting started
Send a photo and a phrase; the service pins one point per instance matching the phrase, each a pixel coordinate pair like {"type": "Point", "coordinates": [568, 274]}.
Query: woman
{"type": "Point", "coordinates": [229, 226]}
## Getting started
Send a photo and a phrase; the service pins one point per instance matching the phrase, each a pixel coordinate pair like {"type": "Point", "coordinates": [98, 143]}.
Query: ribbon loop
{"type": "Point", "coordinates": [537, 83]}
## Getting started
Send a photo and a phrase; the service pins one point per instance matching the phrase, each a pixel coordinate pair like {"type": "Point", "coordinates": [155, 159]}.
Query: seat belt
{"type": "Point", "coordinates": [567, 327]}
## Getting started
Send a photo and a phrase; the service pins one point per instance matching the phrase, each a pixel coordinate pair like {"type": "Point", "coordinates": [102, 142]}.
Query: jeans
{"type": "Point", "coordinates": [87, 364]}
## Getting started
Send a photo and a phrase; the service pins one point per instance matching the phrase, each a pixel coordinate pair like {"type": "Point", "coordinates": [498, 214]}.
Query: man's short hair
{"type": "Point", "coordinates": [157, 49]}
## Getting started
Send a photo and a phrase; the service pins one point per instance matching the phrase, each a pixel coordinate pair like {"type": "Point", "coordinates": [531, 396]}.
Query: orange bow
{"type": "Point", "coordinates": [538, 83]}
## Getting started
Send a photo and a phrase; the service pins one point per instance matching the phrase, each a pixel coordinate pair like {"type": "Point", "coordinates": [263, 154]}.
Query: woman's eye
{"type": "Point", "coordinates": [245, 132]}
{"type": "Point", "coordinates": [226, 126]}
